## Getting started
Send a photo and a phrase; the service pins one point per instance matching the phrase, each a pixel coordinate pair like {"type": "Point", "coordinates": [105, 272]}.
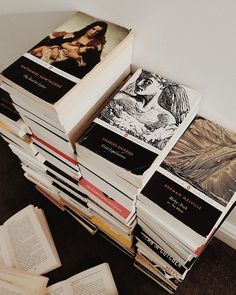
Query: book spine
{"type": "Point", "coordinates": [161, 253]}
{"type": "Point", "coordinates": [122, 211]}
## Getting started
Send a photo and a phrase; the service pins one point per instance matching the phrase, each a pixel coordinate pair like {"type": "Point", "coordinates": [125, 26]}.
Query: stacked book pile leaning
{"type": "Point", "coordinates": [123, 153]}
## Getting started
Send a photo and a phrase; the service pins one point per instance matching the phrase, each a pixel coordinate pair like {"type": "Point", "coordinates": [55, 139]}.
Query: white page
{"type": "Point", "coordinates": [27, 242]}
{"type": "Point", "coordinates": [97, 280]}
{"type": "Point", "coordinates": [10, 289]}
{"type": "Point", "coordinates": [35, 284]}
{"type": "Point", "coordinates": [60, 288]}
{"type": "Point", "coordinates": [5, 258]}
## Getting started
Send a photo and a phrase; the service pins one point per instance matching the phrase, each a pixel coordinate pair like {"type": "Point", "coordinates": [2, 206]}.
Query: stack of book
{"type": "Point", "coordinates": [112, 149]}
{"type": "Point", "coordinates": [57, 85]}
{"type": "Point", "coordinates": [137, 127]}
{"type": "Point", "coordinates": [185, 201]}
{"type": "Point", "coordinates": [55, 89]}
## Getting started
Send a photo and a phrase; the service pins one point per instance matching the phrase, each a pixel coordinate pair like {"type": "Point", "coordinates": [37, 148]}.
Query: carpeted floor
{"type": "Point", "coordinates": [214, 273]}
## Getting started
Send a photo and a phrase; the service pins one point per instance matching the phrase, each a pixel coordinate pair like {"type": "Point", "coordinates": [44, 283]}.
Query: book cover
{"type": "Point", "coordinates": [59, 61]}
{"type": "Point", "coordinates": [140, 119]}
{"type": "Point", "coordinates": [196, 183]}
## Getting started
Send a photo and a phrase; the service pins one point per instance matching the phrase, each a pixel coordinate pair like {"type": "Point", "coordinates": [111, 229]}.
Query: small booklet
{"type": "Point", "coordinates": [26, 242]}
{"type": "Point", "coordinates": [17, 282]}
{"type": "Point", "coordinates": [97, 280]}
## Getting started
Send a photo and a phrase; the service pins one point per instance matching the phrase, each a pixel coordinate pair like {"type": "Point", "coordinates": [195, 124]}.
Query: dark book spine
{"type": "Point", "coordinates": [59, 171]}
{"type": "Point", "coordinates": [161, 253]}
{"type": "Point", "coordinates": [6, 106]}
{"type": "Point", "coordinates": [70, 194]}
{"type": "Point", "coordinates": [62, 181]}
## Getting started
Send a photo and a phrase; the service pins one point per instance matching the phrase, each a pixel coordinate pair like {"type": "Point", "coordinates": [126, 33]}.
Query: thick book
{"type": "Point", "coordinates": [97, 280]}
{"type": "Point", "coordinates": [14, 281]}
{"type": "Point", "coordinates": [119, 211]}
{"type": "Point", "coordinates": [67, 73]}
{"type": "Point", "coordinates": [26, 242]}
{"type": "Point", "coordinates": [137, 127]}
{"type": "Point", "coordinates": [194, 188]}
{"type": "Point", "coordinates": [161, 251]}
{"type": "Point", "coordinates": [147, 252]}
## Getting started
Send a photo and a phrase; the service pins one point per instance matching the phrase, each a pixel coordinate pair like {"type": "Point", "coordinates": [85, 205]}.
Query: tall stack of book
{"type": "Point", "coordinates": [128, 139]}
{"type": "Point", "coordinates": [56, 88]}
{"type": "Point", "coordinates": [105, 150]}
{"type": "Point", "coordinates": [185, 201]}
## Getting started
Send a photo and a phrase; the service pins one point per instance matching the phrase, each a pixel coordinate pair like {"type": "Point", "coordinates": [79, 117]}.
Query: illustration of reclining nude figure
{"type": "Point", "coordinates": [149, 108]}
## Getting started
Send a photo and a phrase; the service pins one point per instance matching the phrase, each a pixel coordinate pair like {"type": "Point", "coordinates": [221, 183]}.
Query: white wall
{"type": "Point", "coordinates": [193, 42]}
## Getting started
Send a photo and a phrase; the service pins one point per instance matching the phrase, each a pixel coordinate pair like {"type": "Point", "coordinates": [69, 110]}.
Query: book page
{"type": "Point", "coordinates": [43, 221]}
{"type": "Point", "coordinates": [5, 258]}
{"type": "Point", "coordinates": [35, 284]}
{"type": "Point", "coordinates": [27, 242]}
{"type": "Point", "coordinates": [97, 280]}
{"type": "Point", "coordinates": [7, 288]}
{"type": "Point", "coordinates": [61, 288]}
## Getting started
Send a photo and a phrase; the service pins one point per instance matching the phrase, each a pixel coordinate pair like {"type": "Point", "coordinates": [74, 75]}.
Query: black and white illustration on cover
{"type": "Point", "coordinates": [149, 108]}
{"type": "Point", "coordinates": [205, 157]}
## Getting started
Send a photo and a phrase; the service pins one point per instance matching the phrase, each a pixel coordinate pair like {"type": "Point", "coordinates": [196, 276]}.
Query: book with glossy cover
{"type": "Point", "coordinates": [195, 184]}
{"type": "Point", "coordinates": [145, 117]}
{"type": "Point", "coordinates": [58, 62]}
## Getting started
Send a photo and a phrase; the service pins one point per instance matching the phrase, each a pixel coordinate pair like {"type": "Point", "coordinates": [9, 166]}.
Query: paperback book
{"type": "Point", "coordinates": [146, 117]}
{"type": "Point", "coordinates": [194, 188]}
{"type": "Point", "coordinates": [71, 64]}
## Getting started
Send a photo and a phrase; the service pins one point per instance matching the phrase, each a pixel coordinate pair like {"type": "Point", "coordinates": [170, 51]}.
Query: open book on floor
{"type": "Point", "coordinates": [97, 280]}
{"type": "Point", "coordinates": [17, 282]}
{"type": "Point", "coordinates": [26, 242]}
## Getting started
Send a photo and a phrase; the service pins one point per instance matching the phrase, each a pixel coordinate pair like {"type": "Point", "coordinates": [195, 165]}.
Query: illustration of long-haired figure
{"type": "Point", "coordinates": [149, 108]}
{"type": "Point", "coordinates": [75, 53]}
